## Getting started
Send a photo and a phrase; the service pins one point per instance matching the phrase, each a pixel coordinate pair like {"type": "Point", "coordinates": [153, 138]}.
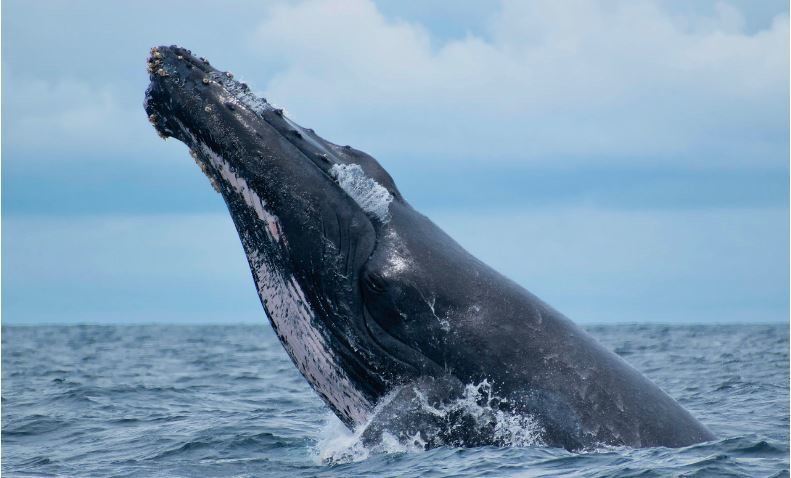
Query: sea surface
{"type": "Point", "coordinates": [156, 400]}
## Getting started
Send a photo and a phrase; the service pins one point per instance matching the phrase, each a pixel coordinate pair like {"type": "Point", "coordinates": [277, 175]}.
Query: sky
{"type": "Point", "coordinates": [626, 161]}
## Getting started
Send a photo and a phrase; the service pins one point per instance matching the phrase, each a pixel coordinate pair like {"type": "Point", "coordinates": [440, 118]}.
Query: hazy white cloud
{"type": "Point", "coordinates": [71, 116]}
{"type": "Point", "coordinates": [542, 81]}
{"type": "Point", "coordinates": [74, 73]}
{"type": "Point", "coordinates": [625, 81]}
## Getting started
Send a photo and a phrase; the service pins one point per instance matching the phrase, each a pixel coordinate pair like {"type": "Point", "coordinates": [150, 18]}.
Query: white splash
{"type": "Point", "coordinates": [371, 196]}
{"type": "Point", "coordinates": [480, 403]}
{"type": "Point", "coordinates": [337, 444]}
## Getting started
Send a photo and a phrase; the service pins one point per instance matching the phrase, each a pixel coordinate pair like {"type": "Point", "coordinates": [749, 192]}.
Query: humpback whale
{"type": "Point", "coordinates": [390, 320]}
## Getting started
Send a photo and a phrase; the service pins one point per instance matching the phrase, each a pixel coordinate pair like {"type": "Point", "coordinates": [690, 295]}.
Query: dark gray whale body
{"type": "Point", "coordinates": [390, 320]}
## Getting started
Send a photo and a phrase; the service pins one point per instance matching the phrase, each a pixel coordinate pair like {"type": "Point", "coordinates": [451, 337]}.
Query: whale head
{"type": "Point", "coordinates": [309, 214]}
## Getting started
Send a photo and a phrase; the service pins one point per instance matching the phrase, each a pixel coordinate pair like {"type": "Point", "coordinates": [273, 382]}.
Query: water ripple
{"type": "Point", "coordinates": [226, 401]}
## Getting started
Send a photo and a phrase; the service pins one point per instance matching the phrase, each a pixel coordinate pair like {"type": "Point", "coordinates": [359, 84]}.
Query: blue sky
{"type": "Point", "coordinates": [626, 161]}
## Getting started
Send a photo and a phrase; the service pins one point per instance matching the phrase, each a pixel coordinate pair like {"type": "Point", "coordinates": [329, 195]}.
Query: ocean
{"type": "Point", "coordinates": [173, 401]}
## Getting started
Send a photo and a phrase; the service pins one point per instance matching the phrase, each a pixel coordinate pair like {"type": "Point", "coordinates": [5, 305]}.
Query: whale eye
{"type": "Point", "coordinates": [374, 283]}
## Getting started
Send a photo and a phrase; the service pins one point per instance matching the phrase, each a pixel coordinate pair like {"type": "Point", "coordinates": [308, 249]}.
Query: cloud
{"type": "Point", "coordinates": [74, 73]}
{"type": "Point", "coordinates": [547, 83]}
{"type": "Point", "coordinates": [70, 116]}
{"type": "Point", "coordinates": [623, 82]}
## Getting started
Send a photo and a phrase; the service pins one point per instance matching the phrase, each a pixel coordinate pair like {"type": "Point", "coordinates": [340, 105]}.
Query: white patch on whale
{"type": "Point", "coordinates": [479, 405]}
{"type": "Point", "coordinates": [398, 258]}
{"type": "Point", "coordinates": [286, 306]}
{"type": "Point", "coordinates": [295, 324]}
{"type": "Point", "coordinates": [249, 196]}
{"type": "Point", "coordinates": [238, 183]}
{"type": "Point", "coordinates": [243, 95]}
{"type": "Point", "coordinates": [371, 196]}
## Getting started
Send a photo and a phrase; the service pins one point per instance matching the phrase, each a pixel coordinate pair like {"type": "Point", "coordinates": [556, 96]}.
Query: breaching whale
{"type": "Point", "coordinates": [386, 316]}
